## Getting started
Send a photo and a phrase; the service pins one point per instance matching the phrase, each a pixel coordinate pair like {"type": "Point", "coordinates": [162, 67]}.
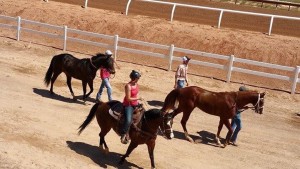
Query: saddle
{"type": "Point", "coordinates": [117, 112]}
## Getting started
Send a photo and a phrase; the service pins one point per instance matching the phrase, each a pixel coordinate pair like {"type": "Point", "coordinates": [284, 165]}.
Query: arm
{"type": "Point", "coordinates": [176, 77]}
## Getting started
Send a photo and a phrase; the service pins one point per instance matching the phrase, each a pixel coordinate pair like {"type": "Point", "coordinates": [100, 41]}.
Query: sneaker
{"type": "Point", "coordinates": [234, 144]}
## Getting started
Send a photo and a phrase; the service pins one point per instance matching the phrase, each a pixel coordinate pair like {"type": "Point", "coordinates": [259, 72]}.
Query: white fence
{"type": "Point", "coordinates": [272, 17]}
{"type": "Point", "coordinates": [228, 67]}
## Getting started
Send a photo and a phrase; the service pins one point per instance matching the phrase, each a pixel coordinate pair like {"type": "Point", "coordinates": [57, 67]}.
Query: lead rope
{"type": "Point", "coordinates": [93, 64]}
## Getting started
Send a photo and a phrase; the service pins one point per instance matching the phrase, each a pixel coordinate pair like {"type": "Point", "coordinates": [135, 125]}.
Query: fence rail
{"type": "Point", "coordinates": [272, 17]}
{"type": "Point", "coordinates": [228, 67]}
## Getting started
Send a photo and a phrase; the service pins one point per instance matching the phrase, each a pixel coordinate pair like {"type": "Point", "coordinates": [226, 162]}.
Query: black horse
{"type": "Point", "coordinates": [82, 69]}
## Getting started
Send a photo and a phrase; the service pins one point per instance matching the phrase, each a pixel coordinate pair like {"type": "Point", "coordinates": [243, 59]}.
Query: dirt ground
{"type": "Point", "coordinates": [40, 131]}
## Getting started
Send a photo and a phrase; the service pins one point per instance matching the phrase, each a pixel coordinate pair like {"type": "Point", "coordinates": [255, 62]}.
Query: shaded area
{"type": "Point", "coordinates": [99, 157]}
{"type": "Point", "coordinates": [155, 103]}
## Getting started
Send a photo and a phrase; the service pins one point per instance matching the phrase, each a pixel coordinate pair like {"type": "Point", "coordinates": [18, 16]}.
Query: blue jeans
{"type": "Point", "coordinates": [127, 119]}
{"type": "Point", "coordinates": [236, 126]}
{"type": "Point", "coordinates": [180, 84]}
{"type": "Point", "coordinates": [105, 83]}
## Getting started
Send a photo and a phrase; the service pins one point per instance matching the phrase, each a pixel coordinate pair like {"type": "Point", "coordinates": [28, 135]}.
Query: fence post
{"type": "Point", "coordinates": [18, 28]}
{"type": "Point", "coordinates": [229, 68]}
{"type": "Point", "coordinates": [271, 24]}
{"type": "Point", "coordinates": [295, 79]}
{"type": "Point", "coordinates": [116, 39]}
{"type": "Point", "coordinates": [220, 18]}
{"type": "Point", "coordinates": [85, 3]}
{"type": "Point", "coordinates": [65, 38]}
{"type": "Point", "coordinates": [173, 10]}
{"type": "Point", "coordinates": [171, 56]}
{"type": "Point", "coordinates": [127, 7]}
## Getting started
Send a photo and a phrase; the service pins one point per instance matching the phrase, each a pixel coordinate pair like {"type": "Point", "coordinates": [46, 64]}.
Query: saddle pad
{"type": "Point", "coordinates": [115, 109]}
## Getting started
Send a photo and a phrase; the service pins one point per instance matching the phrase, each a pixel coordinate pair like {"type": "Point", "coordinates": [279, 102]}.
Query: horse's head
{"type": "Point", "coordinates": [166, 125]}
{"type": "Point", "coordinates": [106, 61]}
{"type": "Point", "coordinates": [259, 105]}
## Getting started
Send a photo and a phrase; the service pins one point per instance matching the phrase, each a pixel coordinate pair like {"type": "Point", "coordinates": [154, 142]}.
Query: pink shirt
{"type": "Point", "coordinates": [133, 93]}
{"type": "Point", "coordinates": [104, 73]}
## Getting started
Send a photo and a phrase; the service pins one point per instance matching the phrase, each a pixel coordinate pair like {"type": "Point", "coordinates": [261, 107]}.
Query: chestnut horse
{"type": "Point", "coordinates": [145, 132]}
{"type": "Point", "coordinates": [82, 69]}
{"type": "Point", "coordinates": [222, 104]}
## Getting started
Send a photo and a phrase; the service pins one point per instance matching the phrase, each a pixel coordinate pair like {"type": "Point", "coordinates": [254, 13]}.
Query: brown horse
{"type": "Point", "coordinates": [145, 132]}
{"type": "Point", "coordinates": [222, 104]}
{"type": "Point", "coordinates": [82, 69]}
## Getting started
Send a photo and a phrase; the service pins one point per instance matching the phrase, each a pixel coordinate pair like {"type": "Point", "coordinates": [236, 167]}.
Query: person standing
{"type": "Point", "coordinates": [181, 73]}
{"type": "Point", "coordinates": [105, 75]}
{"type": "Point", "coordinates": [130, 102]}
{"type": "Point", "coordinates": [236, 123]}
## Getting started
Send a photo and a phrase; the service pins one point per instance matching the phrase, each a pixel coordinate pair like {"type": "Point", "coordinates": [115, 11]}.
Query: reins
{"type": "Point", "coordinates": [93, 64]}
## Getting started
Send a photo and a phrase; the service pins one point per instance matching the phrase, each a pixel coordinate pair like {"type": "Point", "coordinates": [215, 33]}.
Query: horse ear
{"type": "Point", "coordinates": [263, 94]}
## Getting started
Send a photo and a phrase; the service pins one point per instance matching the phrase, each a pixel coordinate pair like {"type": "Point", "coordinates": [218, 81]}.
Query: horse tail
{"type": "Point", "coordinates": [171, 101]}
{"type": "Point", "coordinates": [49, 73]}
{"type": "Point", "coordinates": [89, 118]}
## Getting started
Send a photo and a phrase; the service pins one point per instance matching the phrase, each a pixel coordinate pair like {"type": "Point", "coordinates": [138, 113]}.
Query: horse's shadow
{"type": "Point", "coordinates": [204, 137]}
{"type": "Point", "coordinates": [102, 159]}
{"type": "Point", "coordinates": [46, 93]}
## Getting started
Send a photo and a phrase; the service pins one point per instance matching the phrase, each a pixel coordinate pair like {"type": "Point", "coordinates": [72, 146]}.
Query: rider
{"type": "Point", "coordinates": [130, 102]}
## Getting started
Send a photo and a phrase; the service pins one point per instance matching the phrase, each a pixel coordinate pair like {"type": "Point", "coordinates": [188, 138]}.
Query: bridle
{"type": "Point", "coordinates": [257, 106]}
{"type": "Point", "coordinates": [164, 129]}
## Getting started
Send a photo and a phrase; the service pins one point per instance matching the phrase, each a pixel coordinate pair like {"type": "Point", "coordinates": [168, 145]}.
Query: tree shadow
{"type": "Point", "coordinates": [46, 93]}
{"type": "Point", "coordinates": [101, 158]}
{"type": "Point", "coordinates": [155, 103]}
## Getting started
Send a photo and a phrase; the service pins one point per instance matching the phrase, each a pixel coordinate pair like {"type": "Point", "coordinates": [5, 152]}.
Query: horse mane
{"type": "Point", "coordinates": [100, 55]}
{"type": "Point", "coordinates": [152, 114]}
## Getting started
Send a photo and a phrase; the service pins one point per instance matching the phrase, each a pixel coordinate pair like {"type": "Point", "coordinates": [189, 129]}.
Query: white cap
{"type": "Point", "coordinates": [108, 52]}
{"type": "Point", "coordinates": [184, 58]}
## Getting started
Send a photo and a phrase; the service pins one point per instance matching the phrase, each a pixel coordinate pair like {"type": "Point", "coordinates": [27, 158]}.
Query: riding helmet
{"type": "Point", "coordinates": [134, 75]}
{"type": "Point", "coordinates": [243, 88]}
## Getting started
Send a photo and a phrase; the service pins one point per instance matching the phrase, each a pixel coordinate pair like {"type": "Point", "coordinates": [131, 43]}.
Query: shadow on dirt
{"type": "Point", "coordinates": [100, 158]}
{"type": "Point", "coordinates": [45, 93]}
{"type": "Point", "coordinates": [206, 137]}
{"type": "Point", "coordinates": [155, 103]}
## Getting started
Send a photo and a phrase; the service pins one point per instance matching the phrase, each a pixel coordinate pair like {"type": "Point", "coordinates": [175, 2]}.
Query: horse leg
{"type": "Point", "coordinates": [69, 78]}
{"type": "Point", "coordinates": [102, 134]}
{"type": "Point", "coordinates": [84, 83]}
{"type": "Point", "coordinates": [219, 131]}
{"type": "Point", "coordinates": [151, 146]}
{"type": "Point", "coordinates": [131, 147]}
{"type": "Point", "coordinates": [54, 77]}
{"type": "Point", "coordinates": [184, 120]}
{"type": "Point", "coordinates": [230, 131]}
{"type": "Point", "coordinates": [90, 83]}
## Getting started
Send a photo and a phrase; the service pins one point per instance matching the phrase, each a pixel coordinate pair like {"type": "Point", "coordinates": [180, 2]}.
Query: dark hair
{"type": "Point", "coordinates": [134, 75]}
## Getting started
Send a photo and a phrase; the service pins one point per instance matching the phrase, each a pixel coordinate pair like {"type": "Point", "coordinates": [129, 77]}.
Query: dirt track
{"type": "Point", "coordinates": [39, 130]}
{"type": "Point", "coordinates": [207, 17]}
